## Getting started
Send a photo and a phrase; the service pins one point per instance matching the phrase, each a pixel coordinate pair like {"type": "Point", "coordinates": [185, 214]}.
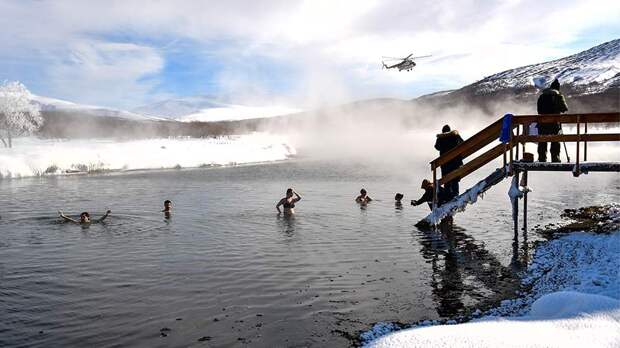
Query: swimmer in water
{"type": "Point", "coordinates": [167, 208]}
{"type": "Point", "coordinates": [398, 198]}
{"type": "Point", "coordinates": [363, 198]}
{"type": "Point", "coordinates": [288, 202]}
{"type": "Point", "coordinates": [84, 218]}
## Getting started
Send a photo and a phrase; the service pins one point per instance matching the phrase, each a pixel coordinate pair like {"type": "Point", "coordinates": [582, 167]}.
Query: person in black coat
{"type": "Point", "coordinates": [446, 141]}
{"type": "Point", "coordinates": [551, 101]}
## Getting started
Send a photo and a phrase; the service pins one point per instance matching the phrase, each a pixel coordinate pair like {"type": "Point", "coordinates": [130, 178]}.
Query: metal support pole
{"type": "Point", "coordinates": [511, 145]}
{"type": "Point", "coordinates": [585, 143]}
{"type": "Point", "coordinates": [577, 169]}
{"type": "Point", "coordinates": [517, 158]}
{"type": "Point", "coordinates": [515, 210]}
{"type": "Point", "coordinates": [435, 189]}
{"type": "Point", "coordinates": [526, 132]}
{"type": "Point", "coordinates": [525, 203]}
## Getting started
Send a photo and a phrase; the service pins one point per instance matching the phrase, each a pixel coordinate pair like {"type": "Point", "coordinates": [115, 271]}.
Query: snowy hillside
{"type": "Point", "coordinates": [179, 107]}
{"type": "Point", "coordinates": [52, 104]}
{"type": "Point", "coordinates": [587, 72]}
{"type": "Point", "coordinates": [209, 109]}
{"type": "Point", "coordinates": [238, 112]}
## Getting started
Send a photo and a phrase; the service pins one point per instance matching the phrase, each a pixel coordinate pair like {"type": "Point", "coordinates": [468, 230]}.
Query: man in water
{"type": "Point", "coordinates": [167, 209]}
{"type": "Point", "coordinates": [363, 198]}
{"type": "Point", "coordinates": [398, 198]}
{"type": "Point", "coordinates": [427, 186]}
{"type": "Point", "coordinates": [447, 140]}
{"type": "Point", "coordinates": [551, 101]}
{"type": "Point", "coordinates": [84, 218]}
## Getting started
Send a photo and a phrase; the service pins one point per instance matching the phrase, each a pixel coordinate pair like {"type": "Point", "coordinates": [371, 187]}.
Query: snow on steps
{"type": "Point", "coordinates": [458, 204]}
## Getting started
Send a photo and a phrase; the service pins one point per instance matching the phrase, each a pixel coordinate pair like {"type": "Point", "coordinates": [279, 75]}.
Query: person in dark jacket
{"type": "Point", "coordinates": [551, 101]}
{"type": "Point", "coordinates": [442, 195]}
{"type": "Point", "coordinates": [446, 141]}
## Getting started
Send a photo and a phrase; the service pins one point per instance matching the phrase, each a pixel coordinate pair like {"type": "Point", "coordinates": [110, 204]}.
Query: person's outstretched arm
{"type": "Point", "coordinates": [66, 218]}
{"type": "Point", "coordinates": [426, 197]}
{"type": "Point", "coordinates": [105, 216]}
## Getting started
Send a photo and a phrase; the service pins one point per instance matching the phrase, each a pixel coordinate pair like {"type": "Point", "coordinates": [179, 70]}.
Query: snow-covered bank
{"type": "Point", "coordinates": [572, 301]}
{"type": "Point", "coordinates": [33, 157]}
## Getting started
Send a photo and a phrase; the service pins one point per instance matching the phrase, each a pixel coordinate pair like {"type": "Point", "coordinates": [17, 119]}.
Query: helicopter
{"type": "Point", "coordinates": [406, 63]}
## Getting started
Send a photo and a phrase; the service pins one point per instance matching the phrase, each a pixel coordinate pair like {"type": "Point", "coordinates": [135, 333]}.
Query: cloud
{"type": "Point", "coordinates": [119, 74]}
{"type": "Point", "coordinates": [116, 52]}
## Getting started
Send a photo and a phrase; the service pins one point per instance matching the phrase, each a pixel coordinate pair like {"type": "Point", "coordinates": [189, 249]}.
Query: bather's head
{"type": "Point", "coordinates": [85, 217]}
{"type": "Point", "coordinates": [289, 193]}
{"type": "Point", "coordinates": [167, 205]}
{"type": "Point", "coordinates": [426, 184]}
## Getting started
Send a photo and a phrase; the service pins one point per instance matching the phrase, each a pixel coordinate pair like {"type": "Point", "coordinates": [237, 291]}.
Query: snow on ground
{"type": "Point", "coordinates": [238, 112]}
{"type": "Point", "coordinates": [32, 157]}
{"type": "Point", "coordinates": [573, 301]}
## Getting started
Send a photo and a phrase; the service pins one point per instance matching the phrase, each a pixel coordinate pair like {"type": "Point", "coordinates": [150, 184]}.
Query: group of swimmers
{"type": "Point", "coordinates": [287, 203]}
{"type": "Point", "coordinates": [292, 197]}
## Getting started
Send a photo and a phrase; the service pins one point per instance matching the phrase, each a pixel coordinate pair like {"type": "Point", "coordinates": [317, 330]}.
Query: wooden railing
{"type": "Point", "coordinates": [522, 124]}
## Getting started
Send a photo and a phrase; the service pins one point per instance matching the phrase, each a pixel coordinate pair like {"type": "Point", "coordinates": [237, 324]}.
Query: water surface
{"type": "Point", "coordinates": [226, 269]}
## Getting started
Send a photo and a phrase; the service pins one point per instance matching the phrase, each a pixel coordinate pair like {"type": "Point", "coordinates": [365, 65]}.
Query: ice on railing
{"type": "Point", "coordinates": [470, 196]}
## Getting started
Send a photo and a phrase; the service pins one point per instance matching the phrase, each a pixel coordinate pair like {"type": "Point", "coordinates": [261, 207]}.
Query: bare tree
{"type": "Point", "coordinates": [18, 116]}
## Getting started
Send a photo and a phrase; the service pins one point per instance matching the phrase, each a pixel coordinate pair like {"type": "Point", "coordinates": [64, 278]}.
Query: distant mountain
{"type": "Point", "coordinates": [179, 107]}
{"type": "Point", "coordinates": [587, 72]}
{"type": "Point", "coordinates": [57, 105]}
{"type": "Point", "coordinates": [210, 109]}
{"type": "Point", "coordinates": [591, 78]}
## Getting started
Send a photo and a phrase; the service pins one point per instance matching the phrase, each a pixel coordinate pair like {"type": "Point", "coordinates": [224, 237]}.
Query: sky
{"type": "Point", "coordinates": [125, 54]}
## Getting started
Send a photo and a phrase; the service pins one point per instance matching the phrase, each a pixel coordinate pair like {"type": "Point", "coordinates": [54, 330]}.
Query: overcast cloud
{"type": "Point", "coordinates": [127, 53]}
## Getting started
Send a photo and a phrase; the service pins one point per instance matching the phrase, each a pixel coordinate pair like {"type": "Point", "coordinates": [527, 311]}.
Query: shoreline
{"type": "Point", "coordinates": [578, 262]}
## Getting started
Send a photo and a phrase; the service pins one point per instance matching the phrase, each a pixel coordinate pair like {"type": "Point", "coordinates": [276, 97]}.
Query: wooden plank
{"type": "Point", "coordinates": [471, 145]}
{"type": "Point", "coordinates": [474, 164]}
{"type": "Point", "coordinates": [568, 167]}
{"type": "Point", "coordinates": [607, 117]}
{"type": "Point", "coordinates": [568, 138]}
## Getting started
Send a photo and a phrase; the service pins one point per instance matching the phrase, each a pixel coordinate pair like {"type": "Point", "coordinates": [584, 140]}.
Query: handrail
{"type": "Point", "coordinates": [492, 132]}
{"type": "Point", "coordinates": [471, 145]}
{"type": "Point", "coordinates": [474, 164]}
{"type": "Point", "coordinates": [601, 117]}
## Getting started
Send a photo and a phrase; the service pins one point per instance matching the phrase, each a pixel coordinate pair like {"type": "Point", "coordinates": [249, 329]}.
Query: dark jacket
{"type": "Point", "coordinates": [551, 101]}
{"type": "Point", "coordinates": [442, 197]}
{"type": "Point", "coordinates": [446, 142]}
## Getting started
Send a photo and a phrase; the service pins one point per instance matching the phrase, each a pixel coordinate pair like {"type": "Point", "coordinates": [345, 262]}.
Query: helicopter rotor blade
{"type": "Point", "coordinates": [430, 55]}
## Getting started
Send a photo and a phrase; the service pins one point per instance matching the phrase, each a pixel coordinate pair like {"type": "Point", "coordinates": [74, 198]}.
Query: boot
{"type": "Point", "coordinates": [556, 159]}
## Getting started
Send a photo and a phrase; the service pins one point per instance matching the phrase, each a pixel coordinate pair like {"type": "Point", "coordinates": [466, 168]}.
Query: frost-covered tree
{"type": "Point", "coordinates": [18, 116]}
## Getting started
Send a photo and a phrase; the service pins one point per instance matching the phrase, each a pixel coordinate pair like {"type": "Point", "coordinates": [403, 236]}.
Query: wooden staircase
{"type": "Point", "coordinates": [477, 147]}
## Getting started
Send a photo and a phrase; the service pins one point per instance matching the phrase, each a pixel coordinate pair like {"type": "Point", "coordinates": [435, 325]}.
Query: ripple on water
{"type": "Point", "coordinates": [225, 257]}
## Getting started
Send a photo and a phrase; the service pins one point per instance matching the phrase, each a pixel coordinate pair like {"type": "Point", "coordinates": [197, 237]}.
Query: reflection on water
{"type": "Point", "coordinates": [466, 275]}
{"type": "Point", "coordinates": [228, 268]}
{"type": "Point", "coordinates": [287, 224]}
